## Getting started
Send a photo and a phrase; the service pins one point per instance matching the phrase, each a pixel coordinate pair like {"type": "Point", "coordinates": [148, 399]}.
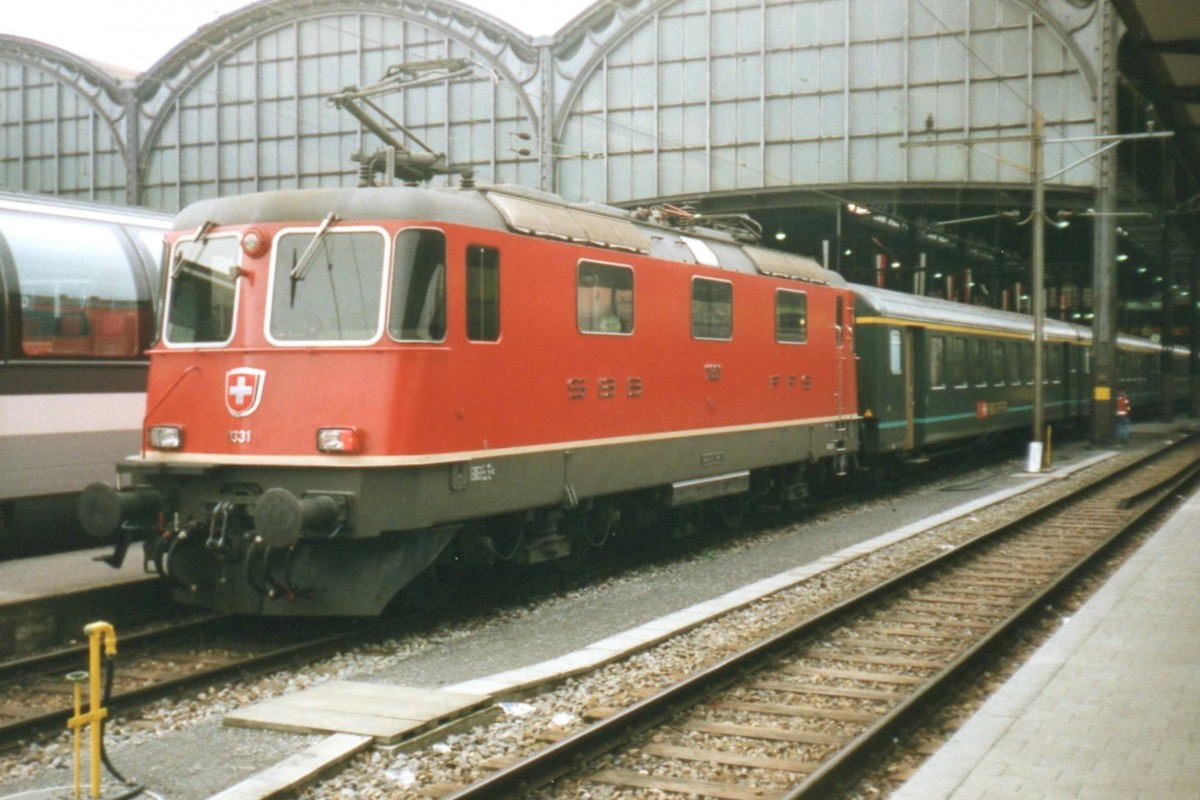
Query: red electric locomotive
{"type": "Point", "coordinates": [354, 385]}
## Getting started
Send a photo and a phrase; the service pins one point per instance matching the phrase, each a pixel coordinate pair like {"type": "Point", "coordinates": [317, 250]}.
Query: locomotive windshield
{"type": "Point", "coordinates": [331, 293]}
{"type": "Point", "coordinates": [202, 290]}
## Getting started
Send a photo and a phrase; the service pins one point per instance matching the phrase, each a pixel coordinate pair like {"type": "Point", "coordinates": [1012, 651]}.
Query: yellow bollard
{"type": "Point", "coordinates": [76, 679]}
{"type": "Point", "coordinates": [100, 635]}
{"type": "Point", "coordinates": [1047, 455]}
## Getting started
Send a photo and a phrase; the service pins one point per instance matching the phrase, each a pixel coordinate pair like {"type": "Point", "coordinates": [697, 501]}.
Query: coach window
{"type": "Point", "coordinates": [1012, 364]}
{"type": "Point", "coordinates": [791, 316]}
{"type": "Point", "coordinates": [201, 290]}
{"type": "Point", "coordinates": [979, 361]}
{"type": "Point", "coordinates": [937, 362]}
{"type": "Point", "coordinates": [957, 361]}
{"type": "Point", "coordinates": [712, 309]}
{"type": "Point", "coordinates": [895, 351]}
{"type": "Point", "coordinates": [328, 288]}
{"type": "Point", "coordinates": [604, 298]}
{"type": "Point", "coordinates": [418, 307]}
{"type": "Point", "coordinates": [997, 363]}
{"type": "Point", "coordinates": [78, 294]}
{"type": "Point", "coordinates": [483, 293]}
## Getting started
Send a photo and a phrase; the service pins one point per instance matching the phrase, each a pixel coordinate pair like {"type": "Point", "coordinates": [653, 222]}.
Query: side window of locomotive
{"type": "Point", "coordinates": [791, 316]}
{"type": "Point", "coordinates": [712, 309]}
{"type": "Point", "coordinates": [201, 290]}
{"type": "Point", "coordinates": [895, 352]}
{"type": "Point", "coordinates": [327, 290]}
{"type": "Point", "coordinates": [418, 305]}
{"type": "Point", "coordinates": [483, 294]}
{"type": "Point", "coordinates": [78, 292]}
{"type": "Point", "coordinates": [604, 298]}
{"type": "Point", "coordinates": [937, 362]}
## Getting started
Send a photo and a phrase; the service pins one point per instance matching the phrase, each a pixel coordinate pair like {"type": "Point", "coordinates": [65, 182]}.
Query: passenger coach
{"type": "Point", "coordinates": [78, 284]}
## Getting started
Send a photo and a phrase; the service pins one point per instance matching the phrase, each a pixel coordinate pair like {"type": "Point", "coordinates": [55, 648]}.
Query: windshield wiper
{"type": "Point", "coordinates": [200, 238]}
{"type": "Point", "coordinates": [301, 267]}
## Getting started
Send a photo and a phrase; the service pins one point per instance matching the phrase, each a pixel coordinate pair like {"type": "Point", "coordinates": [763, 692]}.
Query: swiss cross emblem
{"type": "Point", "coordinates": [243, 390]}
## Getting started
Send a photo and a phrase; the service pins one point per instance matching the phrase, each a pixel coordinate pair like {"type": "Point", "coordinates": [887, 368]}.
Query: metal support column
{"type": "Point", "coordinates": [1104, 290]}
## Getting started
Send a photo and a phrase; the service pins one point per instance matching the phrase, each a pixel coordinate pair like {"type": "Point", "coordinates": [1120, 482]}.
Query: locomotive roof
{"type": "Point", "coordinates": [506, 207]}
{"type": "Point", "coordinates": [934, 310]}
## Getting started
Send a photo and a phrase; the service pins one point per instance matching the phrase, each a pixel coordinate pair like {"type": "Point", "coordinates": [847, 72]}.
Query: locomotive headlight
{"type": "Point", "coordinates": [339, 440]}
{"type": "Point", "coordinates": [166, 437]}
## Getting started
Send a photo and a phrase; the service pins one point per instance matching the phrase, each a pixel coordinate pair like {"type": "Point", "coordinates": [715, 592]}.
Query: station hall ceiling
{"type": "Point", "coordinates": [1160, 54]}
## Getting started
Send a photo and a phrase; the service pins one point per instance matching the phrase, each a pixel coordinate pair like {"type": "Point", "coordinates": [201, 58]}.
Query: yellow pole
{"type": "Point", "coordinates": [77, 679]}
{"type": "Point", "coordinates": [1047, 454]}
{"type": "Point", "coordinates": [100, 634]}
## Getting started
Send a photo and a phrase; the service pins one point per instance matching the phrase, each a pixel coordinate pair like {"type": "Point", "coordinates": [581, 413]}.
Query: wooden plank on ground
{"type": "Point", "coordinates": [297, 770]}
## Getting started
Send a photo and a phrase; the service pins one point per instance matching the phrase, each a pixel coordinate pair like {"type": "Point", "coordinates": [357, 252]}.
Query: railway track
{"type": "Point", "coordinates": [801, 714]}
{"type": "Point", "coordinates": [35, 697]}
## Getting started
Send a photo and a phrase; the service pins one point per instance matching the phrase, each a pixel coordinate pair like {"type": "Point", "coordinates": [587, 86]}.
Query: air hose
{"type": "Point", "coordinates": [135, 787]}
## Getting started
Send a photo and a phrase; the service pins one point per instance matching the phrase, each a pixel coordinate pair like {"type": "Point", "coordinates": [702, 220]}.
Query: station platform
{"type": "Point", "coordinates": [46, 600]}
{"type": "Point", "coordinates": [1108, 708]}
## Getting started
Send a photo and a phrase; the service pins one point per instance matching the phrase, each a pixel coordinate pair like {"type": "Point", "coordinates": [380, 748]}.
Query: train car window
{"type": "Point", "coordinates": [895, 351]}
{"type": "Point", "coordinates": [1054, 364]}
{"type": "Point", "coordinates": [483, 294]}
{"type": "Point", "coordinates": [201, 291]}
{"type": "Point", "coordinates": [1025, 361]}
{"type": "Point", "coordinates": [336, 295]}
{"type": "Point", "coordinates": [418, 304]}
{"type": "Point", "coordinates": [78, 294]}
{"type": "Point", "coordinates": [604, 298]}
{"type": "Point", "coordinates": [712, 309]}
{"type": "Point", "coordinates": [979, 361]}
{"type": "Point", "coordinates": [937, 362]}
{"type": "Point", "coordinates": [1012, 364]}
{"type": "Point", "coordinates": [997, 363]}
{"type": "Point", "coordinates": [956, 358]}
{"type": "Point", "coordinates": [791, 316]}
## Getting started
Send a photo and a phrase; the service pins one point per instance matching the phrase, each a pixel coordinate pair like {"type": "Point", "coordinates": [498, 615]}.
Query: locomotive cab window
{"type": "Point", "coordinates": [327, 286]}
{"type": "Point", "coordinates": [604, 298]}
{"type": "Point", "coordinates": [483, 294]}
{"type": "Point", "coordinates": [712, 309]}
{"type": "Point", "coordinates": [202, 290]}
{"type": "Point", "coordinates": [419, 287]}
{"type": "Point", "coordinates": [791, 316]}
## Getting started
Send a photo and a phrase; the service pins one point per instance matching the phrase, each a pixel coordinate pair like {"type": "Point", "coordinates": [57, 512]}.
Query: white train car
{"type": "Point", "coordinates": [78, 297]}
